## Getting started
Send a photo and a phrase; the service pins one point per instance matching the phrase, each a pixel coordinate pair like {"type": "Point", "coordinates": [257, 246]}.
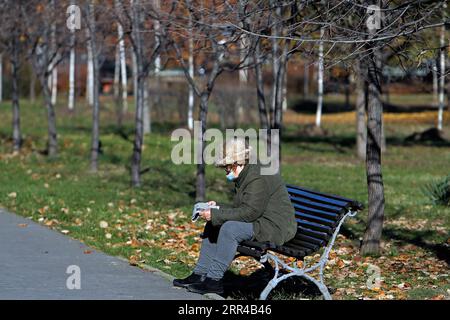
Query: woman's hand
{"type": "Point", "coordinates": [206, 214]}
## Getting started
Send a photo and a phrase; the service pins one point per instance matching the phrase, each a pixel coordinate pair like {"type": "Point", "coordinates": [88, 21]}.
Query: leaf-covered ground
{"type": "Point", "coordinates": [151, 225]}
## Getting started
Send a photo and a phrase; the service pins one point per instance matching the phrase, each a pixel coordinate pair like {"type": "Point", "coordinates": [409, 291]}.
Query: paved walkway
{"type": "Point", "coordinates": [34, 261]}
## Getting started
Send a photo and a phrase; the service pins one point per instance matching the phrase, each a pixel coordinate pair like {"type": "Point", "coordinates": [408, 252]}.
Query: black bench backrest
{"type": "Point", "coordinates": [317, 215]}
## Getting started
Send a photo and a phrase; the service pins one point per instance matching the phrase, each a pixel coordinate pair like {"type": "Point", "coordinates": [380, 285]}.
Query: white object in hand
{"type": "Point", "coordinates": [199, 207]}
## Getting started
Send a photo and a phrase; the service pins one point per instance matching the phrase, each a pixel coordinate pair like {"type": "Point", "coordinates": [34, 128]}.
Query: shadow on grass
{"type": "Point", "coordinates": [250, 287]}
{"type": "Point", "coordinates": [309, 106]}
{"type": "Point", "coordinates": [339, 142]}
{"type": "Point", "coordinates": [428, 240]}
{"type": "Point", "coordinates": [420, 238]}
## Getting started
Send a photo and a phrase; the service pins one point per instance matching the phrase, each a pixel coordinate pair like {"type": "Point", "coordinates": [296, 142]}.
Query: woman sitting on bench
{"type": "Point", "coordinates": [261, 212]}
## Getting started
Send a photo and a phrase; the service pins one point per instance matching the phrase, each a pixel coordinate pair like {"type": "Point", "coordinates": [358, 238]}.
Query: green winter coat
{"type": "Point", "coordinates": [262, 200]}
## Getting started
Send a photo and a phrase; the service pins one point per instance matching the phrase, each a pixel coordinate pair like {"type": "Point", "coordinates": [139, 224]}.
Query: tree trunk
{"type": "Point", "coordinates": [320, 81]}
{"type": "Point", "coordinates": [200, 194]}
{"type": "Point", "coordinates": [157, 27]}
{"type": "Point", "coordinates": [32, 87]}
{"type": "Point", "coordinates": [243, 80]}
{"type": "Point", "coordinates": [52, 143]}
{"type": "Point", "coordinates": [1, 77]}
{"type": "Point", "coordinates": [285, 103]}
{"type": "Point", "coordinates": [347, 92]}
{"type": "Point", "coordinates": [279, 70]}
{"type": "Point", "coordinates": [191, 74]}
{"type": "Point", "coordinates": [379, 65]}
{"type": "Point", "coordinates": [123, 68]}
{"type": "Point", "coordinates": [146, 115]}
{"type": "Point", "coordinates": [441, 79]}
{"type": "Point", "coordinates": [134, 65]}
{"type": "Point", "coordinates": [305, 81]}
{"type": "Point", "coordinates": [276, 32]}
{"type": "Point", "coordinates": [372, 234]}
{"type": "Point", "coordinates": [95, 143]}
{"type": "Point", "coordinates": [90, 73]}
{"type": "Point", "coordinates": [278, 112]}
{"type": "Point", "coordinates": [361, 106]}
{"type": "Point", "coordinates": [435, 81]}
{"type": "Point", "coordinates": [71, 104]}
{"type": "Point", "coordinates": [116, 83]}
{"type": "Point", "coordinates": [157, 97]}
{"type": "Point", "coordinates": [139, 96]}
{"type": "Point", "coordinates": [263, 115]}
{"type": "Point", "coordinates": [54, 85]}
{"type": "Point", "coordinates": [204, 98]}
{"type": "Point", "coordinates": [54, 69]}
{"type": "Point", "coordinates": [116, 87]}
{"type": "Point", "coordinates": [17, 139]}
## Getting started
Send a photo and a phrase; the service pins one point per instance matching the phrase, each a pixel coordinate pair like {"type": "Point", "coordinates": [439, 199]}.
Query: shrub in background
{"type": "Point", "coordinates": [439, 191]}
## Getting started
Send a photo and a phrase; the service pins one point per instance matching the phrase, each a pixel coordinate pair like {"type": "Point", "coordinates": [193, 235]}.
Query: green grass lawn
{"type": "Point", "coordinates": [151, 225]}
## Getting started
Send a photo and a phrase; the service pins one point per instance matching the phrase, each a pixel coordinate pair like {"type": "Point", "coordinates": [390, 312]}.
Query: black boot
{"type": "Point", "coordinates": [207, 286]}
{"type": "Point", "coordinates": [192, 279]}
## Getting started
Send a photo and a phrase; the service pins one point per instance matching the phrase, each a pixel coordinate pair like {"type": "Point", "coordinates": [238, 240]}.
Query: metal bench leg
{"type": "Point", "coordinates": [303, 272]}
{"type": "Point", "coordinates": [294, 272]}
{"type": "Point", "coordinates": [322, 287]}
{"type": "Point", "coordinates": [274, 281]}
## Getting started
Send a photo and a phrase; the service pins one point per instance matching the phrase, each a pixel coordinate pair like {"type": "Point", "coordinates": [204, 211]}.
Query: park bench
{"type": "Point", "coordinates": [319, 218]}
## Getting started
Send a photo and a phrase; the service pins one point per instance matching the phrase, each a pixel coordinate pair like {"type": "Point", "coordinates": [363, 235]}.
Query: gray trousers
{"type": "Point", "coordinates": [215, 258]}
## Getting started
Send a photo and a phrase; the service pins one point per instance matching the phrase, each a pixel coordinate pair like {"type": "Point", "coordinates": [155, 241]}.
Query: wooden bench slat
{"type": "Point", "coordinates": [302, 244]}
{"type": "Point", "coordinates": [316, 234]}
{"type": "Point", "coordinates": [353, 203]}
{"type": "Point", "coordinates": [293, 251]}
{"type": "Point", "coordinates": [316, 219]}
{"type": "Point", "coordinates": [317, 205]}
{"type": "Point", "coordinates": [320, 213]}
{"type": "Point", "coordinates": [249, 251]}
{"type": "Point", "coordinates": [309, 239]}
{"type": "Point", "coordinates": [321, 197]}
{"type": "Point", "coordinates": [314, 226]}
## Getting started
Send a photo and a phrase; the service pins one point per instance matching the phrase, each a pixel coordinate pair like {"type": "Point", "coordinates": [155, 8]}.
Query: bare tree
{"type": "Point", "coordinates": [10, 44]}
{"type": "Point", "coordinates": [93, 47]}
{"type": "Point", "coordinates": [219, 45]}
{"type": "Point", "coordinates": [17, 139]}
{"type": "Point", "coordinates": [278, 22]}
{"type": "Point", "coordinates": [135, 19]}
{"type": "Point", "coordinates": [45, 52]}
{"type": "Point", "coordinates": [350, 37]}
